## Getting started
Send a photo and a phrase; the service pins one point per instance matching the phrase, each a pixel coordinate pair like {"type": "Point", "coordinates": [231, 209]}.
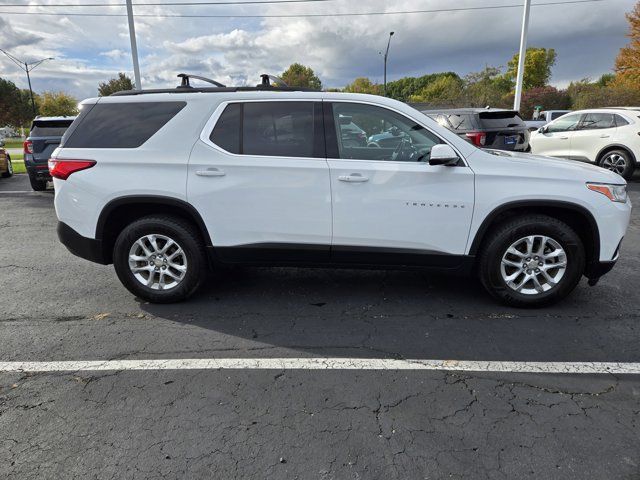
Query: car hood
{"type": "Point", "coordinates": [539, 165]}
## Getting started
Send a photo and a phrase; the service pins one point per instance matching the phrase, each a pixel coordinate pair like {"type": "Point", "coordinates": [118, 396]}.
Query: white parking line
{"type": "Point", "coordinates": [17, 191]}
{"type": "Point", "coordinates": [324, 364]}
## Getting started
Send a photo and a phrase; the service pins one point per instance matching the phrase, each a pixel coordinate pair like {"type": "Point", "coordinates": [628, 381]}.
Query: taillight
{"type": "Point", "coordinates": [27, 146]}
{"type": "Point", "coordinates": [61, 168]}
{"type": "Point", "coordinates": [477, 138]}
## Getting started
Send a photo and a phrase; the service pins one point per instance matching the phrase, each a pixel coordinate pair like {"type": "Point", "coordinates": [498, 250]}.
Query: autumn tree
{"type": "Point", "coordinates": [122, 82]}
{"type": "Point", "coordinates": [298, 75]}
{"type": "Point", "coordinates": [628, 62]}
{"type": "Point", "coordinates": [548, 98]}
{"type": "Point", "coordinates": [53, 104]}
{"type": "Point", "coordinates": [537, 67]}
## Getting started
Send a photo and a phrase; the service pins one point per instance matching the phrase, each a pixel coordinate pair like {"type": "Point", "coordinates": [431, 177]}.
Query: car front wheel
{"type": "Point", "coordinates": [532, 261]}
{"type": "Point", "coordinates": [618, 161]}
{"type": "Point", "coordinates": [160, 259]}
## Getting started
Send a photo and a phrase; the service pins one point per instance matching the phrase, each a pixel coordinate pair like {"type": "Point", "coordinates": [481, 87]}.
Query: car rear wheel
{"type": "Point", "coordinates": [37, 185]}
{"type": "Point", "coordinates": [160, 259]}
{"type": "Point", "coordinates": [532, 261]}
{"type": "Point", "coordinates": [618, 161]}
{"type": "Point", "coordinates": [9, 171]}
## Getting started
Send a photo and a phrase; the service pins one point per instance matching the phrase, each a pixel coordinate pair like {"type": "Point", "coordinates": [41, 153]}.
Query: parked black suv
{"type": "Point", "coordinates": [44, 137]}
{"type": "Point", "coordinates": [486, 127]}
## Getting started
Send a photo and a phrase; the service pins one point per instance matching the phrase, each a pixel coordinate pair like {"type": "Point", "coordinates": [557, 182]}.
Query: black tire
{"type": "Point", "coordinates": [9, 171]}
{"type": "Point", "coordinates": [37, 185]}
{"type": "Point", "coordinates": [184, 234]}
{"type": "Point", "coordinates": [618, 161]}
{"type": "Point", "coordinates": [509, 232]}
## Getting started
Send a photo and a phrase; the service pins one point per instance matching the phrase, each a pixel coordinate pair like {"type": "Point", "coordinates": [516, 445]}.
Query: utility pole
{"type": "Point", "coordinates": [27, 68]}
{"type": "Point", "coordinates": [523, 54]}
{"type": "Point", "coordinates": [386, 55]}
{"type": "Point", "coordinates": [134, 45]}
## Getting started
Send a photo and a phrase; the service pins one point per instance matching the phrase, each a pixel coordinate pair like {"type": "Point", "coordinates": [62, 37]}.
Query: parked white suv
{"type": "Point", "coordinates": [609, 137]}
{"type": "Point", "coordinates": [168, 183]}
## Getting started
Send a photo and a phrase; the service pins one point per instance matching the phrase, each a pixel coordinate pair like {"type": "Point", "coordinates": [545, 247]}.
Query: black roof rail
{"type": "Point", "coordinates": [268, 83]}
{"type": "Point", "coordinates": [187, 76]}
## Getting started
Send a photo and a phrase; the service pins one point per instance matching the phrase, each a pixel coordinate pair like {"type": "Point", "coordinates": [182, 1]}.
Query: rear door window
{"type": "Point", "coordinates": [493, 120]}
{"type": "Point", "coordinates": [49, 128]}
{"type": "Point", "coordinates": [460, 121]}
{"type": "Point", "coordinates": [598, 121]}
{"type": "Point", "coordinates": [121, 125]}
{"type": "Point", "coordinates": [272, 129]}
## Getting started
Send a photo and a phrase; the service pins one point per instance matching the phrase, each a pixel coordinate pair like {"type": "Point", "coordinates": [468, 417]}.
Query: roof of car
{"type": "Point", "coordinates": [467, 110]}
{"type": "Point", "coordinates": [54, 119]}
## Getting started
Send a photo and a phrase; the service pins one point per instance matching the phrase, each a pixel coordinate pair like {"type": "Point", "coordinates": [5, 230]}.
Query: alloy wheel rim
{"type": "Point", "coordinates": [533, 265]}
{"type": "Point", "coordinates": [9, 167]}
{"type": "Point", "coordinates": [615, 162]}
{"type": "Point", "coordinates": [157, 262]}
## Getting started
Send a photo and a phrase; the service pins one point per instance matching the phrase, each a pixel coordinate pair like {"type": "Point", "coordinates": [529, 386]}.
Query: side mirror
{"type": "Point", "coordinates": [542, 129]}
{"type": "Point", "coordinates": [443, 154]}
{"type": "Point", "coordinates": [344, 120]}
{"type": "Point", "coordinates": [1, 143]}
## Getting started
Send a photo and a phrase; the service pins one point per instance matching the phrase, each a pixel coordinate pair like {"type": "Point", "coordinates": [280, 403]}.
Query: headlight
{"type": "Point", "coordinates": [615, 193]}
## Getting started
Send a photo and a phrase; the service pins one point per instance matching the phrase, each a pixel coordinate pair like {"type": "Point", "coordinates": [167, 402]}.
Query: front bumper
{"type": "Point", "coordinates": [83, 247]}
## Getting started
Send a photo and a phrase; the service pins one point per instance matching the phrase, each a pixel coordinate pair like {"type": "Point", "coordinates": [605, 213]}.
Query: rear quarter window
{"type": "Point", "coordinates": [121, 125]}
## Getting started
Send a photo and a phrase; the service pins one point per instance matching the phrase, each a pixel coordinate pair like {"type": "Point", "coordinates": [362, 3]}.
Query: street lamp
{"type": "Point", "coordinates": [386, 55]}
{"type": "Point", "coordinates": [27, 67]}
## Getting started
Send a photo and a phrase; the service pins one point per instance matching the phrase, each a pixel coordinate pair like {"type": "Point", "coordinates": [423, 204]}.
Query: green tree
{"type": "Point", "coordinates": [404, 88]}
{"type": "Point", "coordinates": [445, 91]}
{"type": "Point", "coordinates": [52, 104]}
{"type": "Point", "coordinates": [363, 85]}
{"type": "Point", "coordinates": [537, 67]}
{"type": "Point", "coordinates": [488, 87]}
{"type": "Point", "coordinates": [298, 75]}
{"type": "Point", "coordinates": [9, 99]}
{"type": "Point", "coordinates": [122, 82]}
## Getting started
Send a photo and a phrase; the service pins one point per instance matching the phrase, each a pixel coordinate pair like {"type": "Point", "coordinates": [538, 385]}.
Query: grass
{"type": "Point", "coordinates": [18, 166]}
{"type": "Point", "coordinates": [12, 143]}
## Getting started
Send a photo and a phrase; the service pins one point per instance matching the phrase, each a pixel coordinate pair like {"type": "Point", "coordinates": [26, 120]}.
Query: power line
{"type": "Point", "coordinates": [304, 15]}
{"type": "Point", "coordinates": [163, 4]}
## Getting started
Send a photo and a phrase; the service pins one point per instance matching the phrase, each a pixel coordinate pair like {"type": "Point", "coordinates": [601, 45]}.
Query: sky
{"type": "Point", "coordinates": [235, 51]}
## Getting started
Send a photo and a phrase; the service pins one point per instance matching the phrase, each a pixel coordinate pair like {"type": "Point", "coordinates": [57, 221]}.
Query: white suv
{"type": "Point", "coordinates": [165, 184]}
{"type": "Point", "coordinates": [609, 137]}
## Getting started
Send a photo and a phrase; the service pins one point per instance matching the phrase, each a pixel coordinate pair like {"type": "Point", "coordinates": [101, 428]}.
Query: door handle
{"type": "Point", "coordinates": [210, 172]}
{"type": "Point", "coordinates": [353, 178]}
{"type": "Point", "coordinates": [604, 135]}
{"type": "Point", "coordinates": [564, 138]}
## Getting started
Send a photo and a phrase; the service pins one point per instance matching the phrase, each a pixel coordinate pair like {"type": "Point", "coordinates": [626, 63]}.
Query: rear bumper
{"type": "Point", "coordinates": [83, 247]}
{"type": "Point", "coordinates": [38, 171]}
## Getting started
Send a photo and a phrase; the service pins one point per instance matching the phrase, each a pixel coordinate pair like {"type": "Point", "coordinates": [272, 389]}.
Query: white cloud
{"type": "Point", "coordinates": [115, 54]}
{"type": "Point", "coordinates": [235, 51]}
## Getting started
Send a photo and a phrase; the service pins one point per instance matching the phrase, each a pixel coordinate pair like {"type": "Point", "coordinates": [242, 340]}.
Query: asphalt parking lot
{"type": "Point", "coordinates": [291, 423]}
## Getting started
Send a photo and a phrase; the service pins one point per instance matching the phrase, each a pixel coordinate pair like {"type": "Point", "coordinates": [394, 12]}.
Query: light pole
{"type": "Point", "coordinates": [134, 45]}
{"type": "Point", "coordinates": [386, 55]}
{"type": "Point", "coordinates": [523, 54]}
{"type": "Point", "coordinates": [27, 67]}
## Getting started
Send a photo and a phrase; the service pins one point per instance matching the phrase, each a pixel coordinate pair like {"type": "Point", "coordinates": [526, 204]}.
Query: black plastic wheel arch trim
{"type": "Point", "coordinates": [480, 234]}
